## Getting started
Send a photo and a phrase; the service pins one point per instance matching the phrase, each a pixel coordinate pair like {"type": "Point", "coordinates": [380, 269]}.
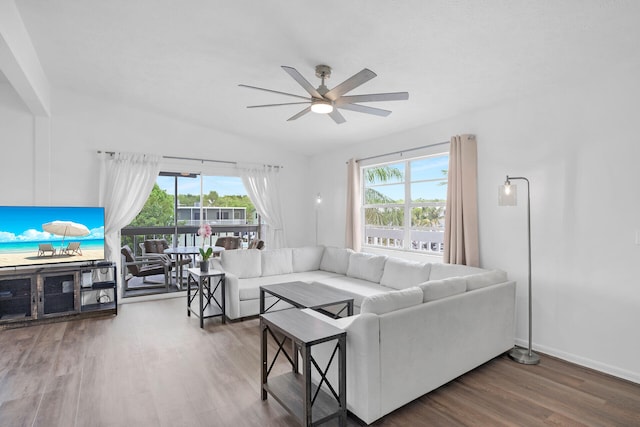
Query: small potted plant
{"type": "Point", "coordinates": [205, 232]}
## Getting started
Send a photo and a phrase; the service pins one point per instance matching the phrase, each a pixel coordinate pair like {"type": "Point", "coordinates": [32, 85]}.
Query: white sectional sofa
{"type": "Point", "coordinates": [416, 325]}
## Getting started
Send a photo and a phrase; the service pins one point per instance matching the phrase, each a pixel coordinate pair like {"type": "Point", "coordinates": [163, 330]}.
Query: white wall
{"type": "Point", "coordinates": [579, 147]}
{"type": "Point", "coordinates": [16, 142]}
{"type": "Point", "coordinates": [82, 125]}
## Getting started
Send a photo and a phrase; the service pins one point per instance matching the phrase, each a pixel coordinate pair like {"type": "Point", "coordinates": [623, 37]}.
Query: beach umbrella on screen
{"type": "Point", "coordinates": [66, 228]}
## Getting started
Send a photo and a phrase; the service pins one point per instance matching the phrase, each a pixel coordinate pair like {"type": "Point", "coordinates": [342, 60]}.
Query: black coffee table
{"type": "Point", "coordinates": [307, 295]}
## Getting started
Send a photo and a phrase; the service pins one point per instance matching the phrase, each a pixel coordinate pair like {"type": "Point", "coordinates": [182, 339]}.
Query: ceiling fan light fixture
{"type": "Point", "coordinates": [321, 106]}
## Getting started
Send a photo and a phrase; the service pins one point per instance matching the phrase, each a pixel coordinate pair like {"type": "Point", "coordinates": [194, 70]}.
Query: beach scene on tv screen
{"type": "Point", "coordinates": [34, 235]}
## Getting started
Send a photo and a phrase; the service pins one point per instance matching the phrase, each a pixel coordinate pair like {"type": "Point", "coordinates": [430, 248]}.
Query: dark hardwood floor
{"type": "Point", "coordinates": [153, 366]}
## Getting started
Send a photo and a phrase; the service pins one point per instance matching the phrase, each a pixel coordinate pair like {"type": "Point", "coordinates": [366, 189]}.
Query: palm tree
{"type": "Point", "coordinates": [426, 216]}
{"type": "Point", "coordinates": [381, 216]}
{"type": "Point", "coordinates": [382, 174]}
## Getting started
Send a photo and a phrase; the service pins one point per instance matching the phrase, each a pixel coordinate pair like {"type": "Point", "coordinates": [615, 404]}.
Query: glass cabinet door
{"type": "Point", "coordinates": [58, 294]}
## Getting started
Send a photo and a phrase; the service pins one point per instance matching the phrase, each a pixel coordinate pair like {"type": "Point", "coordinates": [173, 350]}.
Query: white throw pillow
{"type": "Point", "coordinates": [391, 301]}
{"type": "Point", "coordinates": [276, 261]}
{"type": "Point", "coordinates": [480, 280]}
{"type": "Point", "coordinates": [335, 260]}
{"type": "Point", "coordinates": [366, 266]}
{"type": "Point", "coordinates": [307, 258]}
{"type": "Point", "coordinates": [437, 289]}
{"type": "Point", "coordinates": [401, 274]}
{"type": "Point", "coordinates": [242, 263]}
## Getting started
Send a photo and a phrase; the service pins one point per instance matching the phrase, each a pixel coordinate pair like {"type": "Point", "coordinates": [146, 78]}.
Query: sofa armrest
{"type": "Point", "coordinates": [232, 293]}
{"type": "Point", "coordinates": [363, 362]}
{"type": "Point", "coordinates": [216, 264]}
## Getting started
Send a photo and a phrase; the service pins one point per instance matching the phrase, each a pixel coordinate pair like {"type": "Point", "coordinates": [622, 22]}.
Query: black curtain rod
{"type": "Point", "coordinates": [195, 159]}
{"type": "Point", "coordinates": [402, 151]}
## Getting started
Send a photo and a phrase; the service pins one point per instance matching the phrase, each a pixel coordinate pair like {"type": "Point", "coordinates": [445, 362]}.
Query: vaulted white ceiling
{"type": "Point", "coordinates": [185, 59]}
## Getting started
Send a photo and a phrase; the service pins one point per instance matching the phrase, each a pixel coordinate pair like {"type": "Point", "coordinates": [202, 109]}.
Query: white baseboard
{"type": "Point", "coordinates": [582, 361]}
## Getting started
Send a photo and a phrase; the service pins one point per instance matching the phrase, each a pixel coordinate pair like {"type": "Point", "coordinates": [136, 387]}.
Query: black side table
{"type": "Point", "coordinates": [206, 284]}
{"type": "Point", "coordinates": [310, 403]}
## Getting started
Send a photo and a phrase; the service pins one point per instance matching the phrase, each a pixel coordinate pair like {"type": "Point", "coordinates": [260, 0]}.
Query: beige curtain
{"type": "Point", "coordinates": [461, 218]}
{"type": "Point", "coordinates": [354, 204]}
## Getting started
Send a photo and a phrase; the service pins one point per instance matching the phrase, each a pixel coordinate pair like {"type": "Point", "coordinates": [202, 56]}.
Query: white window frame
{"type": "Point", "coordinates": [408, 205]}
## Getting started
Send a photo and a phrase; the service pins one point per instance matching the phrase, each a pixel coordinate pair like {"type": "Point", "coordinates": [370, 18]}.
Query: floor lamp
{"type": "Point", "coordinates": [508, 196]}
{"type": "Point", "coordinates": [318, 201]}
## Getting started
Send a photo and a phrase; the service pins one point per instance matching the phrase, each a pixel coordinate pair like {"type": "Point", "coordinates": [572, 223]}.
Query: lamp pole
{"type": "Point", "coordinates": [318, 201]}
{"type": "Point", "coordinates": [527, 357]}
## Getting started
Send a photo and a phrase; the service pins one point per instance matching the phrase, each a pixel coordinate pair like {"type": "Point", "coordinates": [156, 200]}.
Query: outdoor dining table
{"type": "Point", "coordinates": [183, 251]}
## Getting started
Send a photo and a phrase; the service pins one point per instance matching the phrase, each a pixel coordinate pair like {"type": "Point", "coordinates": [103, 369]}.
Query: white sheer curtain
{"type": "Point", "coordinates": [262, 185]}
{"type": "Point", "coordinates": [461, 217]}
{"type": "Point", "coordinates": [126, 180]}
{"type": "Point", "coordinates": [354, 204]}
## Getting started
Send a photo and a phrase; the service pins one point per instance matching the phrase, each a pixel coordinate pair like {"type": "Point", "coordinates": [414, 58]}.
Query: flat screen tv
{"type": "Point", "coordinates": [36, 235]}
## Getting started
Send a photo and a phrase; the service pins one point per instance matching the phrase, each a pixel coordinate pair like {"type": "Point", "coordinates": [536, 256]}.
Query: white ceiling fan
{"type": "Point", "coordinates": [325, 101]}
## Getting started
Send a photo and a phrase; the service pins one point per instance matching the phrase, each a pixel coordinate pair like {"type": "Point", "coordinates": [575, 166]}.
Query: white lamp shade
{"type": "Point", "coordinates": [508, 195]}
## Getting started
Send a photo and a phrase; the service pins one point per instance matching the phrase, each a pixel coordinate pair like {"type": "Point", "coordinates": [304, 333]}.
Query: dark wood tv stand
{"type": "Point", "coordinates": [56, 293]}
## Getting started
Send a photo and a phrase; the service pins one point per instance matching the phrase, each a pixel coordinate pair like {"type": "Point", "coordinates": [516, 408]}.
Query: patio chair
{"type": "Point", "coordinates": [73, 248]}
{"type": "Point", "coordinates": [155, 248]}
{"type": "Point", "coordinates": [256, 244]}
{"type": "Point", "coordinates": [229, 242]}
{"type": "Point", "coordinates": [46, 247]}
{"type": "Point", "coordinates": [145, 267]}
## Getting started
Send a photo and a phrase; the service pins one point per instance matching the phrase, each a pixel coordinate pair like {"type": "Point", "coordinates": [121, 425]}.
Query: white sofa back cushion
{"type": "Point", "coordinates": [401, 274]}
{"type": "Point", "coordinates": [443, 271]}
{"type": "Point", "coordinates": [335, 260]}
{"type": "Point", "coordinates": [276, 261]}
{"type": "Point", "coordinates": [480, 280]}
{"type": "Point", "coordinates": [391, 301]}
{"type": "Point", "coordinates": [307, 258]}
{"type": "Point", "coordinates": [437, 289]}
{"type": "Point", "coordinates": [243, 263]}
{"type": "Point", "coordinates": [366, 266]}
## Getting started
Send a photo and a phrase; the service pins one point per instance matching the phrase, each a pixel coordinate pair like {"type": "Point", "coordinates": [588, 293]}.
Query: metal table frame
{"type": "Point", "coordinates": [309, 403]}
{"type": "Point", "coordinates": [205, 290]}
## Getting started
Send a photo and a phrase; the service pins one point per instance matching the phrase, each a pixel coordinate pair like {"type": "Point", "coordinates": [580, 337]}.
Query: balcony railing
{"type": "Point", "coordinates": [187, 235]}
{"type": "Point", "coordinates": [421, 240]}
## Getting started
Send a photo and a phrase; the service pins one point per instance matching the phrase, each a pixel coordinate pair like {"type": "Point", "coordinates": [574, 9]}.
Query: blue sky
{"type": "Point", "coordinates": [19, 223]}
{"type": "Point", "coordinates": [422, 169]}
{"type": "Point", "coordinates": [224, 185]}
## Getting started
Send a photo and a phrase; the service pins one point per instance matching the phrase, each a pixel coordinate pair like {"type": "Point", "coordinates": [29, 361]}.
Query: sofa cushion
{"type": "Point", "coordinates": [242, 263]}
{"type": "Point", "coordinates": [249, 289]}
{"type": "Point", "coordinates": [401, 274]}
{"type": "Point", "coordinates": [335, 259]}
{"type": "Point", "coordinates": [366, 266]}
{"type": "Point", "coordinates": [276, 261]}
{"type": "Point", "coordinates": [358, 289]}
{"type": "Point", "coordinates": [392, 301]}
{"type": "Point", "coordinates": [307, 258]}
{"type": "Point", "coordinates": [437, 289]}
{"type": "Point", "coordinates": [480, 280]}
{"type": "Point", "coordinates": [443, 271]}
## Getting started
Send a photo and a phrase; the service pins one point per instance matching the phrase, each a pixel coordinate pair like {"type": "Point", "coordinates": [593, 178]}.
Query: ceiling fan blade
{"type": "Point", "coordinates": [337, 117]}
{"type": "Point", "coordinates": [350, 84]}
{"type": "Point", "coordinates": [373, 97]}
{"type": "Point", "coordinates": [275, 91]}
{"type": "Point", "coordinates": [365, 109]}
{"type": "Point", "coordinates": [276, 105]}
{"type": "Point", "coordinates": [300, 114]}
{"type": "Point", "coordinates": [302, 81]}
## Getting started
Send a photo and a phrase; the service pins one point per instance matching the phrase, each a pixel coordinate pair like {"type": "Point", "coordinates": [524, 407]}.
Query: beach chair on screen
{"type": "Point", "coordinates": [73, 248]}
{"type": "Point", "coordinates": [43, 248]}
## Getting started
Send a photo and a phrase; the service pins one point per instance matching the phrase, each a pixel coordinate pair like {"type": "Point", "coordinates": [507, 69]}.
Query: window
{"type": "Point", "coordinates": [173, 210]}
{"type": "Point", "coordinates": [404, 204]}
